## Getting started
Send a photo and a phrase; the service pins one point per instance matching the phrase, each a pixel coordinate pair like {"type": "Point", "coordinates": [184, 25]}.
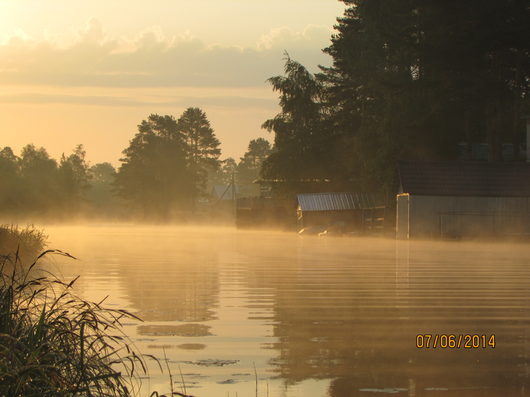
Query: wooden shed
{"type": "Point", "coordinates": [463, 199]}
{"type": "Point", "coordinates": [338, 212]}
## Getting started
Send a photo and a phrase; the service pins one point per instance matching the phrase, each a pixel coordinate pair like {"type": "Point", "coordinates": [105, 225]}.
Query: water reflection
{"type": "Point", "coordinates": [335, 317]}
{"type": "Point", "coordinates": [181, 286]}
{"type": "Point", "coordinates": [353, 316]}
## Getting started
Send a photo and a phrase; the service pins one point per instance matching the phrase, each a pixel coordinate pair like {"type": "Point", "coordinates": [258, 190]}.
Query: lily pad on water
{"type": "Point", "coordinates": [160, 346]}
{"type": "Point", "coordinates": [210, 362]}
{"type": "Point", "coordinates": [227, 382]}
{"type": "Point", "coordinates": [191, 346]}
{"type": "Point", "coordinates": [387, 390]}
{"type": "Point", "coordinates": [174, 330]}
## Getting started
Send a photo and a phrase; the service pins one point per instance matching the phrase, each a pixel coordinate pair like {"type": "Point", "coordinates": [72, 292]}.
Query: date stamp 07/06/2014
{"type": "Point", "coordinates": [455, 341]}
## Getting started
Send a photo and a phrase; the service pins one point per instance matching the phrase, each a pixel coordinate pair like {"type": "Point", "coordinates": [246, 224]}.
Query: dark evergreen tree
{"type": "Point", "coordinates": [298, 130]}
{"type": "Point", "coordinates": [73, 179]}
{"type": "Point", "coordinates": [202, 146]}
{"type": "Point", "coordinates": [410, 79]}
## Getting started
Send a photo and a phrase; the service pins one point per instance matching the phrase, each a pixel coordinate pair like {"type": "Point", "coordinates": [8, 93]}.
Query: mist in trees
{"type": "Point", "coordinates": [225, 174]}
{"type": "Point", "coordinates": [166, 165]}
{"type": "Point", "coordinates": [167, 170]}
{"type": "Point", "coordinates": [250, 165]}
{"type": "Point", "coordinates": [11, 186]}
{"type": "Point", "coordinates": [73, 179]}
{"type": "Point", "coordinates": [101, 194]}
{"type": "Point", "coordinates": [154, 173]}
{"type": "Point", "coordinates": [245, 172]}
{"type": "Point", "coordinates": [35, 183]}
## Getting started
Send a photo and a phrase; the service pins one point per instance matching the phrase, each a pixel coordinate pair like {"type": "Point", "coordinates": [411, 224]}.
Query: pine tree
{"type": "Point", "coordinates": [154, 175]}
{"type": "Point", "coordinates": [203, 147]}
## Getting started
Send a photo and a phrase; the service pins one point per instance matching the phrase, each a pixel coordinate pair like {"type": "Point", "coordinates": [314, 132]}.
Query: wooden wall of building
{"type": "Point", "coordinates": [460, 217]}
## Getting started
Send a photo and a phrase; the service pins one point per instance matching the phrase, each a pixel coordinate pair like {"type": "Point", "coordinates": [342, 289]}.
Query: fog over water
{"type": "Point", "coordinates": [316, 316]}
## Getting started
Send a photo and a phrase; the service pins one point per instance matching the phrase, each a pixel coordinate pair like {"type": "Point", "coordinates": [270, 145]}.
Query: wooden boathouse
{"type": "Point", "coordinates": [339, 213]}
{"type": "Point", "coordinates": [462, 199]}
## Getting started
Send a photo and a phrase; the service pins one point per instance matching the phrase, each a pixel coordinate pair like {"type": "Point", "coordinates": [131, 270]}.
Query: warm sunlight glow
{"type": "Point", "coordinates": [269, 198]}
{"type": "Point", "coordinates": [81, 73]}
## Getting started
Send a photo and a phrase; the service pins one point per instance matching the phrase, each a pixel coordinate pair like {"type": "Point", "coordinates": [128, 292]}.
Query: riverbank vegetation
{"type": "Point", "coordinates": [53, 343]}
{"type": "Point", "coordinates": [36, 186]}
{"type": "Point", "coordinates": [24, 242]}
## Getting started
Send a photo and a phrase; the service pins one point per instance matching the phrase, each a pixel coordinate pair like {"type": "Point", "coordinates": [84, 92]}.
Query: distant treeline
{"type": "Point", "coordinates": [170, 164]}
{"type": "Point", "coordinates": [409, 80]}
{"type": "Point", "coordinates": [33, 183]}
{"type": "Point", "coordinates": [168, 167]}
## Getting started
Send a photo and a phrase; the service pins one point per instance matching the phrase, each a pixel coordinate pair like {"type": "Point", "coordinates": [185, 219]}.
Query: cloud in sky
{"type": "Point", "coordinates": [152, 59]}
{"type": "Point", "coordinates": [87, 85]}
{"type": "Point", "coordinates": [242, 102]}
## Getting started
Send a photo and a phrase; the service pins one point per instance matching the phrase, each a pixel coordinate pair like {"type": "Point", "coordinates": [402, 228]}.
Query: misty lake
{"type": "Point", "coordinates": [314, 316]}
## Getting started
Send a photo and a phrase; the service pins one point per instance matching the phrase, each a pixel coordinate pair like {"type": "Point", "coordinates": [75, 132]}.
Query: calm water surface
{"type": "Point", "coordinates": [315, 316]}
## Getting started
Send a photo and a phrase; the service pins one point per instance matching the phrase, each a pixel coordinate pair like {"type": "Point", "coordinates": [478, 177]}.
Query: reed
{"type": "Point", "coordinates": [53, 343]}
{"type": "Point", "coordinates": [28, 241]}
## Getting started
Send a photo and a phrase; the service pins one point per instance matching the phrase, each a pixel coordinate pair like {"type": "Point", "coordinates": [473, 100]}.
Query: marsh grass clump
{"type": "Point", "coordinates": [28, 241]}
{"type": "Point", "coordinates": [53, 343]}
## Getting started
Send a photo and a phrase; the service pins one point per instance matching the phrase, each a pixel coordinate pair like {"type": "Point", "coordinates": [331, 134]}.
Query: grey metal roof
{"type": "Point", "coordinates": [223, 192]}
{"type": "Point", "coordinates": [465, 178]}
{"type": "Point", "coordinates": [335, 201]}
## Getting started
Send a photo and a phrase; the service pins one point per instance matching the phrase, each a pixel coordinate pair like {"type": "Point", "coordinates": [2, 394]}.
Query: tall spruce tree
{"type": "Point", "coordinates": [298, 130]}
{"type": "Point", "coordinates": [202, 146]}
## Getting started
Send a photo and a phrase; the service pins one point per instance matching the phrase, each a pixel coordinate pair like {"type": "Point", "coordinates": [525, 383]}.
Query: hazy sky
{"type": "Point", "coordinates": [88, 71]}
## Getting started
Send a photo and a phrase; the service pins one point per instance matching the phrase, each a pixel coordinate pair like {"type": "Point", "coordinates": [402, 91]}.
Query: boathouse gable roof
{"type": "Point", "coordinates": [335, 201]}
{"type": "Point", "coordinates": [465, 178]}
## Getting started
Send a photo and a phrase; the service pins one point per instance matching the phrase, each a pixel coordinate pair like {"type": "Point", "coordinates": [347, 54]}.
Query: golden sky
{"type": "Point", "coordinates": [88, 71]}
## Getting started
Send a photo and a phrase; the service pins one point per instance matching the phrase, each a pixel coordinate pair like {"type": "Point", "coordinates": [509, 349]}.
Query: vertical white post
{"type": "Point", "coordinates": [403, 216]}
{"type": "Point", "coordinates": [528, 139]}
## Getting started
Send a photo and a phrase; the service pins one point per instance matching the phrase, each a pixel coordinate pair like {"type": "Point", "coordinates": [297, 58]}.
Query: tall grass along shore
{"type": "Point", "coordinates": [52, 342]}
